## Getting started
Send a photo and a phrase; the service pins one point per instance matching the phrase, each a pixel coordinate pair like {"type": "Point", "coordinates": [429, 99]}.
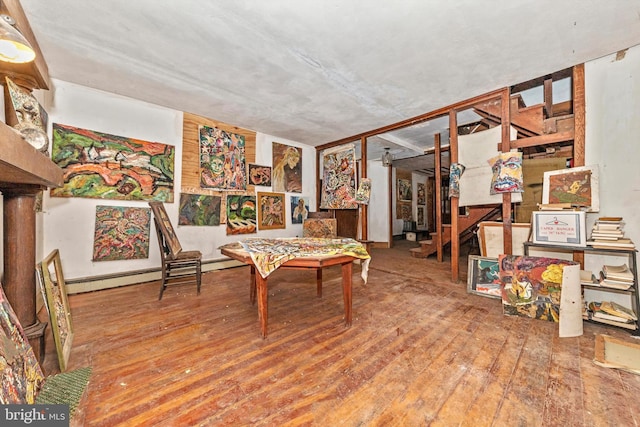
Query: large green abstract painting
{"type": "Point", "coordinates": [102, 166]}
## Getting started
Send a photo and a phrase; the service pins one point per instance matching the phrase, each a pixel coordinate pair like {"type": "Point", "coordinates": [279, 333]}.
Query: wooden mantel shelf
{"type": "Point", "coordinates": [21, 164]}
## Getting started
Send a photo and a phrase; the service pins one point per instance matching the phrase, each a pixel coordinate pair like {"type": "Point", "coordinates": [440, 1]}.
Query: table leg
{"type": "Point", "coordinates": [347, 271]}
{"type": "Point", "coordinates": [261, 285]}
{"type": "Point", "coordinates": [319, 281]}
{"type": "Point", "coordinates": [252, 286]}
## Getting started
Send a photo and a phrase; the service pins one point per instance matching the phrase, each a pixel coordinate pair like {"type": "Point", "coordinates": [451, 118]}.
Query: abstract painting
{"type": "Point", "coordinates": [58, 306]}
{"type": "Point", "coordinates": [287, 168]}
{"type": "Point", "coordinates": [199, 209]}
{"type": "Point", "coordinates": [422, 194]}
{"type": "Point", "coordinates": [326, 228]}
{"type": "Point", "coordinates": [21, 373]}
{"type": "Point", "coordinates": [420, 215]}
{"type": "Point", "coordinates": [578, 186]}
{"type": "Point", "coordinates": [299, 209]}
{"type": "Point", "coordinates": [259, 175]}
{"type": "Point", "coordinates": [507, 173]}
{"type": "Point", "coordinates": [364, 191]}
{"type": "Point", "coordinates": [102, 166]}
{"type": "Point", "coordinates": [271, 211]}
{"type": "Point", "coordinates": [241, 214]}
{"type": "Point", "coordinates": [483, 277]}
{"type": "Point", "coordinates": [531, 286]}
{"type": "Point", "coordinates": [121, 233]}
{"type": "Point", "coordinates": [222, 159]}
{"type": "Point", "coordinates": [455, 172]}
{"type": "Point", "coordinates": [339, 178]}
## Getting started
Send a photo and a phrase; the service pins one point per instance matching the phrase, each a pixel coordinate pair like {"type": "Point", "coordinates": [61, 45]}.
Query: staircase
{"type": "Point", "coordinates": [466, 225]}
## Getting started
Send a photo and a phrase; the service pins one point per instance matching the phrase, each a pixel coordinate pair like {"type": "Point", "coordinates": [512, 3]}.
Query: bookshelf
{"type": "Point", "coordinates": [630, 258]}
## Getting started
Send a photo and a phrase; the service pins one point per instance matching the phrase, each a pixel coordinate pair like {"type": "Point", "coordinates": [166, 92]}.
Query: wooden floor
{"type": "Point", "coordinates": [421, 351]}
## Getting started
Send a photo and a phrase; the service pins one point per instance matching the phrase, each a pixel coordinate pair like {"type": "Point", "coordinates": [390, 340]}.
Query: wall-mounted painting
{"type": "Point", "coordinates": [271, 211]}
{"type": "Point", "coordinates": [222, 159]}
{"type": "Point", "coordinates": [199, 209]}
{"type": "Point", "coordinates": [578, 186]}
{"type": "Point", "coordinates": [420, 216]}
{"type": "Point", "coordinates": [102, 166]}
{"type": "Point", "coordinates": [404, 190]}
{"type": "Point", "coordinates": [287, 168]}
{"type": "Point", "coordinates": [339, 178]}
{"type": "Point", "coordinates": [58, 306]}
{"type": "Point", "coordinates": [21, 374]}
{"type": "Point", "coordinates": [422, 194]}
{"type": "Point", "coordinates": [241, 214]}
{"type": "Point", "coordinates": [121, 233]}
{"type": "Point", "coordinates": [364, 191]}
{"type": "Point", "coordinates": [259, 175]}
{"type": "Point", "coordinates": [299, 209]}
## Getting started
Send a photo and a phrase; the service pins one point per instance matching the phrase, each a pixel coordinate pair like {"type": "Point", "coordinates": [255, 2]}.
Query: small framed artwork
{"type": "Point", "coordinates": [559, 228]}
{"type": "Point", "coordinates": [58, 306]}
{"type": "Point", "coordinates": [577, 186]}
{"type": "Point", "coordinates": [271, 211]}
{"type": "Point", "coordinates": [404, 190]}
{"type": "Point", "coordinates": [483, 277]}
{"type": "Point", "coordinates": [259, 175]}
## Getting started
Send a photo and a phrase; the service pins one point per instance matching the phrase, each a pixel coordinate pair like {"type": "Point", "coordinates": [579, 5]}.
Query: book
{"type": "Point", "coordinates": [617, 272]}
{"type": "Point", "coordinates": [631, 326]}
{"type": "Point", "coordinates": [609, 244]}
{"type": "Point", "coordinates": [601, 315]}
{"type": "Point", "coordinates": [615, 309]}
{"type": "Point", "coordinates": [588, 278]}
{"type": "Point", "coordinates": [614, 284]}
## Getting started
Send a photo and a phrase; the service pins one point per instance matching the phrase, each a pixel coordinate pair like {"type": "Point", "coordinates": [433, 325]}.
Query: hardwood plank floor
{"type": "Point", "coordinates": [421, 351]}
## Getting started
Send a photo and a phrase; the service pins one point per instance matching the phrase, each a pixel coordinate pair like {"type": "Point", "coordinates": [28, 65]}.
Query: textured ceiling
{"type": "Point", "coordinates": [319, 71]}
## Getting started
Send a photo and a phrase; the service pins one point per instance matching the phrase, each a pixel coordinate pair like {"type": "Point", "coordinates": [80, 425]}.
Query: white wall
{"type": "Point", "coordinates": [68, 224]}
{"type": "Point", "coordinates": [378, 212]}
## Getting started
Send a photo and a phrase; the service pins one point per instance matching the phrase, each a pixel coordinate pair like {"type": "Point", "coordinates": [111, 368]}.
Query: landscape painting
{"type": "Point", "coordinates": [121, 233]}
{"type": "Point", "coordinates": [199, 209]}
{"type": "Point", "coordinates": [241, 214]}
{"type": "Point", "coordinates": [102, 166]}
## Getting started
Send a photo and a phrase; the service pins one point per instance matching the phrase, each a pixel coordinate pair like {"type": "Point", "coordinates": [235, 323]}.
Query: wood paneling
{"type": "Point", "coordinates": [420, 351]}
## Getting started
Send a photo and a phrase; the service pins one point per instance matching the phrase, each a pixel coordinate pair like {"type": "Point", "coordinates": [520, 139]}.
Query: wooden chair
{"type": "Point", "coordinates": [178, 266]}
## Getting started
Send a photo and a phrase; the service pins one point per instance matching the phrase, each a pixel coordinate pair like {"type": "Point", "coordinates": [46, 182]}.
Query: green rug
{"type": "Point", "coordinates": [64, 389]}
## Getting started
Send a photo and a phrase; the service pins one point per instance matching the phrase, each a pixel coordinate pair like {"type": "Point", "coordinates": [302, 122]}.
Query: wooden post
{"type": "Point", "coordinates": [455, 233]}
{"type": "Point", "coordinates": [438, 191]}
{"type": "Point", "coordinates": [505, 147]}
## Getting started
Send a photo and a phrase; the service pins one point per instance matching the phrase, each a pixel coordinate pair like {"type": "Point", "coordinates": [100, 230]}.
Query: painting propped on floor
{"type": "Point", "coordinates": [615, 353]}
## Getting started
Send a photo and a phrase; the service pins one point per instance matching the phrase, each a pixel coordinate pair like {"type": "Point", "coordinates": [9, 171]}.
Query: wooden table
{"type": "Point", "coordinates": [258, 286]}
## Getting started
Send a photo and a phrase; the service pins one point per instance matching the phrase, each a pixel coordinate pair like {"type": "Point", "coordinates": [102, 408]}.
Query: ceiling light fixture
{"type": "Point", "coordinates": [14, 47]}
{"type": "Point", "coordinates": [386, 157]}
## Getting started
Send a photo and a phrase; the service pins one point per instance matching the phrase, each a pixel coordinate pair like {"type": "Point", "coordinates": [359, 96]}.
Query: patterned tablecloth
{"type": "Point", "coordinates": [269, 254]}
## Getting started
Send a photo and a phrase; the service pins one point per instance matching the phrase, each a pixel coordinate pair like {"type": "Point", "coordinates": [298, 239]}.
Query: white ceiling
{"type": "Point", "coordinates": [316, 71]}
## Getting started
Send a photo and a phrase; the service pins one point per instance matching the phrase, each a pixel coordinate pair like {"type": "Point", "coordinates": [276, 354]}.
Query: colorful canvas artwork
{"type": "Point", "coordinates": [455, 172]}
{"type": "Point", "coordinates": [121, 233]}
{"type": "Point", "coordinates": [578, 186]}
{"type": "Point", "coordinates": [102, 166]}
{"type": "Point", "coordinates": [21, 373]}
{"type": "Point", "coordinates": [339, 178]}
{"type": "Point", "coordinates": [320, 227]}
{"type": "Point", "coordinates": [271, 211]}
{"type": "Point", "coordinates": [507, 173]}
{"type": "Point", "coordinates": [531, 286]}
{"type": "Point", "coordinates": [404, 211]}
{"type": "Point", "coordinates": [241, 214]}
{"type": "Point", "coordinates": [286, 175]}
{"type": "Point", "coordinates": [259, 175]}
{"type": "Point", "coordinates": [222, 159]}
{"type": "Point", "coordinates": [199, 209]}
{"type": "Point", "coordinates": [420, 216]}
{"type": "Point", "coordinates": [299, 209]}
{"type": "Point", "coordinates": [405, 193]}
{"type": "Point", "coordinates": [364, 191]}
{"type": "Point", "coordinates": [483, 277]}
{"type": "Point", "coordinates": [422, 194]}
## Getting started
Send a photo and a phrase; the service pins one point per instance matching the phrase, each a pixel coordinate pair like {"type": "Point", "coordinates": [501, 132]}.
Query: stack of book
{"type": "Point", "coordinates": [608, 233]}
{"type": "Point", "coordinates": [616, 276]}
{"type": "Point", "coordinates": [612, 313]}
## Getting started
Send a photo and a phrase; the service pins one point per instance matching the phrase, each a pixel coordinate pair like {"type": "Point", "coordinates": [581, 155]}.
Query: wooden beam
{"type": "Point", "coordinates": [438, 191]}
{"type": "Point", "coordinates": [579, 114]}
{"type": "Point", "coordinates": [542, 140]}
{"type": "Point", "coordinates": [506, 197]}
{"type": "Point", "coordinates": [455, 231]}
